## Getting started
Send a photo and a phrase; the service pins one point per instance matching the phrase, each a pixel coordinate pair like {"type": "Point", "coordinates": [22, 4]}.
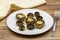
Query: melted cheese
{"type": "Point", "coordinates": [30, 20]}
{"type": "Point", "coordinates": [39, 22]}
{"type": "Point", "coordinates": [20, 16]}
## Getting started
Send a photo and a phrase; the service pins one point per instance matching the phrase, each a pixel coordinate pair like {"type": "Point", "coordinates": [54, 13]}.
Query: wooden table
{"type": "Point", "coordinates": [50, 7]}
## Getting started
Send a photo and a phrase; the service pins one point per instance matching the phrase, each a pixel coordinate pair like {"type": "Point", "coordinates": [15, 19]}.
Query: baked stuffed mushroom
{"type": "Point", "coordinates": [37, 14]}
{"type": "Point", "coordinates": [20, 17]}
{"type": "Point", "coordinates": [30, 15]}
{"type": "Point", "coordinates": [30, 26]}
{"type": "Point", "coordinates": [39, 24]}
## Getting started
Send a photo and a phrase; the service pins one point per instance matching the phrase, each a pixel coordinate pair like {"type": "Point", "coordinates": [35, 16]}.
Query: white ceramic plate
{"type": "Point", "coordinates": [11, 22]}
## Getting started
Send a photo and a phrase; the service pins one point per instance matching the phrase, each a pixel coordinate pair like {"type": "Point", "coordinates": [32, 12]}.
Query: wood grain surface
{"type": "Point", "coordinates": [50, 7]}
